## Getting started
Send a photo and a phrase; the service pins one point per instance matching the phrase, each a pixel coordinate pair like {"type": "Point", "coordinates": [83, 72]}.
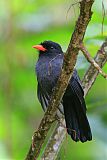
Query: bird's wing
{"type": "Point", "coordinates": [43, 97]}
{"type": "Point", "coordinates": [44, 100]}
{"type": "Point", "coordinates": [75, 111]}
{"type": "Point", "coordinates": [76, 87]}
{"type": "Point", "coordinates": [77, 78]}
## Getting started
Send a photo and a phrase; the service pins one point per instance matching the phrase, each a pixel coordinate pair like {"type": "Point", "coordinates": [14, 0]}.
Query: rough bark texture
{"type": "Point", "coordinates": [59, 133]}
{"type": "Point", "coordinates": [67, 69]}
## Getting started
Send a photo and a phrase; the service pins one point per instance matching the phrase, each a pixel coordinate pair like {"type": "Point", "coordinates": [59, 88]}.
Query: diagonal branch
{"type": "Point", "coordinates": [59, 133]}
{"type": "Point", "coordinates": [91, 60]}
{"type": "Point", "coordinates": [66, 73]}
{"type": "Point", "coordinates": [100, 59]}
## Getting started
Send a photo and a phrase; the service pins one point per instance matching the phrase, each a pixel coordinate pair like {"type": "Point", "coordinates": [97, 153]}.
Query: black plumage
{"type": "Point", "coordinates": [48, 68]}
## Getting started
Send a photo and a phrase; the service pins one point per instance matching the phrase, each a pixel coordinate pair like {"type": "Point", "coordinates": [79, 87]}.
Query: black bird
{"type": "Point", "coordinates": [48, 68]}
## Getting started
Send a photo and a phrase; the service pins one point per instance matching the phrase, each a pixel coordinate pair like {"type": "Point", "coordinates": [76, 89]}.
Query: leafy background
{"type": "Point", "coordinates": [23, 24]}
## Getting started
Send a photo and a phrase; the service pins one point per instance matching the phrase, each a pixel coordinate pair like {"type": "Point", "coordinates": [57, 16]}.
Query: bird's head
{"type": "Point", "coordinates": [49, 48]}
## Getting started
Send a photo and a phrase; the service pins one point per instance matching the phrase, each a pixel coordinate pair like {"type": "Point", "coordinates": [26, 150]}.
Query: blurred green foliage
{"type": "Point", "coordinates": [23, 24]}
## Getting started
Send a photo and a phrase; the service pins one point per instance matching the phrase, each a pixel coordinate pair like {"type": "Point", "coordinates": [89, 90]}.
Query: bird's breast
{"type": "Point", "coordinates": [48, 72]}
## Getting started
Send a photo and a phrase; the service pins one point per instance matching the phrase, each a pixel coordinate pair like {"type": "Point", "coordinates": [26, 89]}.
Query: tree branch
{"type": "Point", "coordinates": [66, 73]}
{"type": "Point", "coordinates": [100, 59]}
{"type": "Point", "coordinates": [59, 133]}
{"type": "Point", "coordinates": [91, 60]}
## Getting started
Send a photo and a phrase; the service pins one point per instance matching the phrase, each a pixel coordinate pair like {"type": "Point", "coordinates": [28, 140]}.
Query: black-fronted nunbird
{"type": "Point", "coordinates": [48, 69]}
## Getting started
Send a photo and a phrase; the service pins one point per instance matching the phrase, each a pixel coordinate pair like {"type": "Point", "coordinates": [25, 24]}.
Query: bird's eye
{"type": "Point", "coordinates": [52, 47]}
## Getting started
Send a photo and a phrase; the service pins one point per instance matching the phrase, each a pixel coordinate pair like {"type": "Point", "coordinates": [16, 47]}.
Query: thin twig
{"type": "Point", "coordinates": [100, 59]}
{"type": "Point", "coordinates": [72, 5]}
{"type": "Point", "coordinates": [103, 16]}
{"type": "Point", "coordinates": [91, 60]}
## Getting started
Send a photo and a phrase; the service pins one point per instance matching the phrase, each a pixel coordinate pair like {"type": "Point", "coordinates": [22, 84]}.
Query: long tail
{"type": "Point", "coordinates": [76, 120]}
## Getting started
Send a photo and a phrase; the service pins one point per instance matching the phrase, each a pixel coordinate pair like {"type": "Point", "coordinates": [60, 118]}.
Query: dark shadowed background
{"type": "Point", "coordinates": [22, 25]}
